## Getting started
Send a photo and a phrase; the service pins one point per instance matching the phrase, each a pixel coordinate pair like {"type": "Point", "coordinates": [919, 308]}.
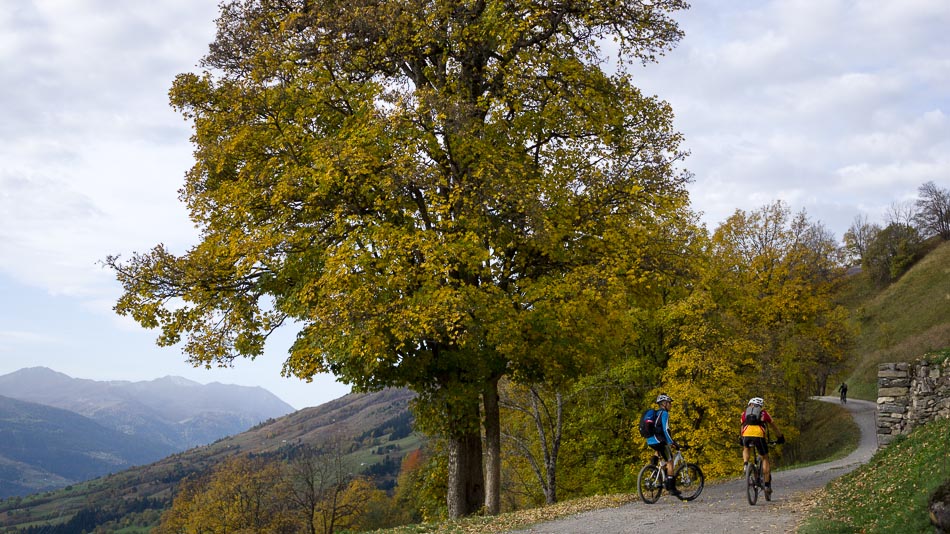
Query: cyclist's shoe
{"type": "Point", "coordinates": [745, 469]}
{"type": "Point", "coordinates": [671, 487]}
{"type": "Point", "coordinates": [768, 491]}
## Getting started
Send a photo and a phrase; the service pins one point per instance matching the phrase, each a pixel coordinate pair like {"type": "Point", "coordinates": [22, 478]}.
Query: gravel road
{"type": "Point", "coordinates": [722, 507]}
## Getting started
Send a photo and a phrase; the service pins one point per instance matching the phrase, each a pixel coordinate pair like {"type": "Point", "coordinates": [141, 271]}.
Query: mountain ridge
{"type": "Point", "coordinates": [135, 407]}
{"type": "Point", "coordinates": [157, 417]}
{"type": "Point", "coordinates": [44, 448]}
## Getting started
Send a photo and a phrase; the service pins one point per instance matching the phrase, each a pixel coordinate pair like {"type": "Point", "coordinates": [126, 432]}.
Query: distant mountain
{"type": "Point", "coordinates": [44, 448]}
{"type": "Point", "coordinates": [171, 411]}
{"type": "Point", "coordinates": [365, 421]}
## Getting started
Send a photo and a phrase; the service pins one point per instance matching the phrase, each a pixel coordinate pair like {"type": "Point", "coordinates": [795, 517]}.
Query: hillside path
{"type": "Point", "coordinates": [722, 507]}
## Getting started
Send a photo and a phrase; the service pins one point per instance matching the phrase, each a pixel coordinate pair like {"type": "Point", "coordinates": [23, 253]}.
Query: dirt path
{"type": "Point", "coordinates": [722, 508]}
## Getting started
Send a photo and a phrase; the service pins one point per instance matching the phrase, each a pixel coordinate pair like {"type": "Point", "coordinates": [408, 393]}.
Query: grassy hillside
{"type": "Point", "coordinates": [889, 494]}
{"type": "Point", "coordinates": [901, 322]}
{"type": "Point", "coordinates": [139, 493]}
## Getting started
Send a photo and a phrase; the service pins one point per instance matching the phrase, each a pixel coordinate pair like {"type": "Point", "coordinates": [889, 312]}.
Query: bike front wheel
{"type": "Point", "coordinates": [690, 481]}
{"type": "Point", "coordinates": [650, 484]}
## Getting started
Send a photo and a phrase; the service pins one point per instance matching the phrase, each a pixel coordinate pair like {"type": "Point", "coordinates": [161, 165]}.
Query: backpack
{"type": "Point", "coordinates": [753, 415]}
{"type": "Point", "coordinates": [647, 425]}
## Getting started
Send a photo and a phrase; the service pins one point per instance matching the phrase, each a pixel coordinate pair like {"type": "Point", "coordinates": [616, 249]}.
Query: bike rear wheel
{"type": "Point", "coordinates": [649, 484]}
{"type": "Point", "coordinates": [752, 491]}
{"type": "Point", "coordinates": [754, 481]}
{"type": "Point", "coordinates": [690, 481]}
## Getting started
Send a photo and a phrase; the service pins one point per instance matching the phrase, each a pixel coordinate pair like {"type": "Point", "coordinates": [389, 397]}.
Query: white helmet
{"type": "Point", "coordinates": [757, 401]}
{"type": "Point", "coordinates": [663, 398]}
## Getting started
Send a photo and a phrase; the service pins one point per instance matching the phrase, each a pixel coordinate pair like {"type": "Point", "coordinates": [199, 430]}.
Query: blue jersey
{"type": "Point", "coordinates": [662, 422]}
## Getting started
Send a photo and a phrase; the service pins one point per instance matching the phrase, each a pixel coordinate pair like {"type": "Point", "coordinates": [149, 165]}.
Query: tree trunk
{"type": "Point", "coordinates": [492, 448]}
{"type": "Point", "coordinates": [822, 383]}
{"type": "Point", "coordinates": [466, 491]}
{"type": "Point", "coordinates": [550, 458]}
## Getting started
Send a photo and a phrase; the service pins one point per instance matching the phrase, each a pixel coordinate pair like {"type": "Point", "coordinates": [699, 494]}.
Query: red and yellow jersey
{"type": "Point", "coordinates": [755, 431]}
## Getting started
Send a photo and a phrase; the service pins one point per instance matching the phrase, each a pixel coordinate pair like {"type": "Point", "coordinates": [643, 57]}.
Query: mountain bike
{"type": "Point", "coordinates": [652, 478]}
{"type": "Point", "coordinates": [753, 476]}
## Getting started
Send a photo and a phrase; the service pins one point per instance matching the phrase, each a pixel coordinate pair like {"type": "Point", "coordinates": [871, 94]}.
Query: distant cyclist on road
{"type": "Point", "coordinates": [662, 442]}
{"type": "Point", "coordinates": [843, 389]}
{"type": "Point", "coordinates": [756, 423]}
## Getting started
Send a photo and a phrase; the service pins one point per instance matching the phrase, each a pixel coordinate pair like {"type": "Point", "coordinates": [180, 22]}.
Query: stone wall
{"type": "Point", "coordinates": [910, 394]}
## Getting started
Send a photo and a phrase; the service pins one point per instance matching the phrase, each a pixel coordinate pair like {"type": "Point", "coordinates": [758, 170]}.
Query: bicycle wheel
{"type": "Point", "coordinates": [752, 488]}
{"type": "Point", "coordinates": [649, 484]}
{"type": "Point", "coordinates": [690, 481]}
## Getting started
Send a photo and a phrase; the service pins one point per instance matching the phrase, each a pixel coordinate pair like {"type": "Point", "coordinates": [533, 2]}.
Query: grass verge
{"type": "Point", "coordinates": [889, 494]}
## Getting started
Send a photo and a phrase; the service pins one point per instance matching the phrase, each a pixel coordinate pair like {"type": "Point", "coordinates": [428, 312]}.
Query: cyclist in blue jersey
{"type": "Point", "coordinates": [662, 442]}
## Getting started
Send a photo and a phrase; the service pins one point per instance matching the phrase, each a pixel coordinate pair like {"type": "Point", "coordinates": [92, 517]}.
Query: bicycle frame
{"type": "Point", "coordinates": [652, 478]}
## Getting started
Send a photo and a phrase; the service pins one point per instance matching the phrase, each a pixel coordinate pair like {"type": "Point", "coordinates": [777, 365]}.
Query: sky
{"type": "Point", "coordinates": [839, 108]}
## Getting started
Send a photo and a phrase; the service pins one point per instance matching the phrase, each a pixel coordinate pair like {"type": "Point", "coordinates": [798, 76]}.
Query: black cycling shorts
{"type": "Point", "coordinates": [664, 450]}
{"type": "Point", "coordinates": [760, 444]}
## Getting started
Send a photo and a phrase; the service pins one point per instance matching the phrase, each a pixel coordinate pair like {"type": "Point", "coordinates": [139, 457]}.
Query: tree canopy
{"type": "Point", "coordinates": [435, 194]}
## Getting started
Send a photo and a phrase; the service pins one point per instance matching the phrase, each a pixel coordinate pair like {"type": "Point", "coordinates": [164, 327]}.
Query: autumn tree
{"type": "Point", "coordinates": [933, 210]}
{"type": "Point", "coordinates": [762, 321]}
{"type": "Point", "coordinates": [892, 252]}
{"type": "Point", "coordinates": [420, 486]}
{"type": "Point", "coordinates": [318, 480]}
{"type": "Point", "coordinates": [424, 190]}
{"type": "Point", "coordinates": [858, 238]}
{"type": "Point", "coordinates": [534, 431]}
{"type": "Point", "coordinates": [242, 494]}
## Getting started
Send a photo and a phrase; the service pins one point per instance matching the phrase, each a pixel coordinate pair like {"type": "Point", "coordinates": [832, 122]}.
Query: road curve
{"type": "Point", "coordinates": [722, 508]}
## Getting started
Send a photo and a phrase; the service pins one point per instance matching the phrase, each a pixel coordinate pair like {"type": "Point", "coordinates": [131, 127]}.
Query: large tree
{"type": "Point", "coordinates": [426, 190]}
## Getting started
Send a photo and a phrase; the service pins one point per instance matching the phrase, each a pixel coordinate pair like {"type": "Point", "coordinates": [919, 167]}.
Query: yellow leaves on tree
{"type": "Point", "coordinates": [241, 495]}
{"type": "Point", "coordinates": [266, 496]}
{"type": "Point", "coordinates": [760, 322]}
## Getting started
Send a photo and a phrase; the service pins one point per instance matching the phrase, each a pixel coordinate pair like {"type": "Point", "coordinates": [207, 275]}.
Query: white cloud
{"type": "Point", "coordinates": [11, 340]}
{"type": "Point", "coordinates": [830, 105]}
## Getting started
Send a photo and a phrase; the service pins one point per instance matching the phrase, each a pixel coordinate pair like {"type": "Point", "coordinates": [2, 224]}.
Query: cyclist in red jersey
{"type": "Point", "coordinates": [755, 434]}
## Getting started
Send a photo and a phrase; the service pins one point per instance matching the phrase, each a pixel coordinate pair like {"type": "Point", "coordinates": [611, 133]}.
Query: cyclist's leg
{"type": "Point", "coordinates": [662, 452]}
{"type": "Point", "coordinates": [670, 481]}
{"type": "Point", "coordinates": [763, 447]}
{"type": "Point", "coordinates": [747, 444]}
